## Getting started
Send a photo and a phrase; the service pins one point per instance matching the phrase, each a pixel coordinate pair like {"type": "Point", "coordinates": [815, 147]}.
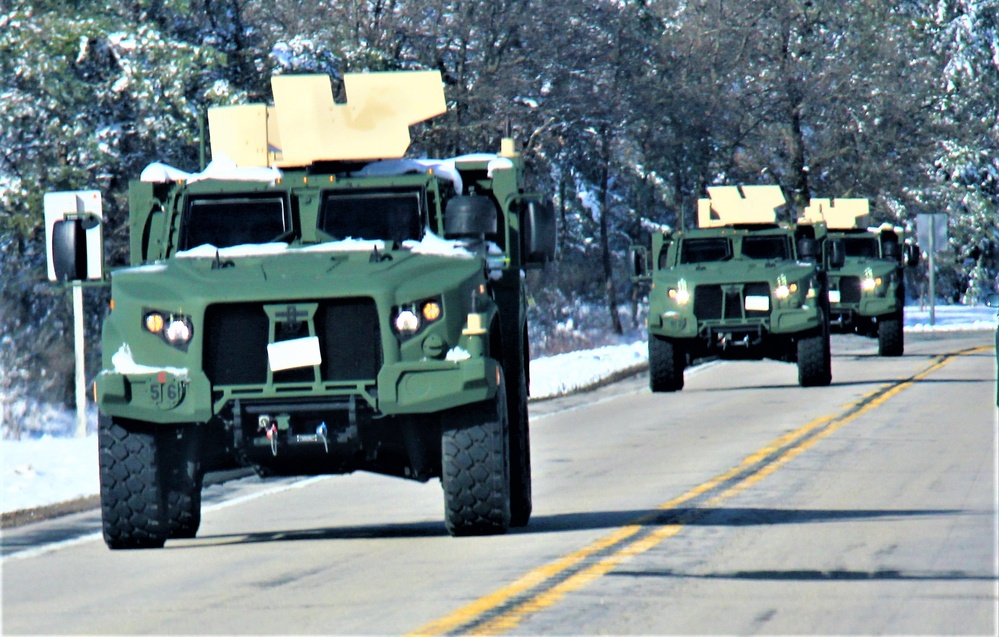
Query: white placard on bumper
{"type": "Point", "coordinates": [299, 352]}
{"type": "Point", "coordinates": [757, 303]}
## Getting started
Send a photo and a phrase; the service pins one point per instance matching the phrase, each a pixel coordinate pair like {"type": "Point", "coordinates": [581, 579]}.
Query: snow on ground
{"type": "Point", "coordinates": [56, 467]}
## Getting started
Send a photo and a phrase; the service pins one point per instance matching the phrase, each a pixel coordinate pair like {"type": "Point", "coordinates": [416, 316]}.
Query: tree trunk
{"type": "Point", "coordinates": [605, 256]}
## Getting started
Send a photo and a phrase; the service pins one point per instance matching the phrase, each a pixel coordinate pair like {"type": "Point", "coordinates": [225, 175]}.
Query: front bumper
{"type": "Point", "coordinates": [418, 387]}
{"type": "Point", "coordinates": [678, 324]}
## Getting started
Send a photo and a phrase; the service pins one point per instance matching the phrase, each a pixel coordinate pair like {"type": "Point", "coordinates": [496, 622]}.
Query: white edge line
{"type": "Point", "coordinates": [89, 537]}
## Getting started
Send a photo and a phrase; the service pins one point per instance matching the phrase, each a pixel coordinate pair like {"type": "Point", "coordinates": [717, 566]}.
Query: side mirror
{"type": "Point", "coordinates": [638, 259]}
{"type": "Point", "coordinates": [890, 248]}
{"type": "Point", "coordinates": [808, 250]}
{"type": "Point", "coordinates": [470, 216]}
{"type": "Point", "coordinates": [74, 241]}
{"type": "Point", "coordinates": [912, 254]}
{"type": "Point", "coordinates": [837, 254]}
{"type": "Point", "coordinates": [69, 250]}
{"type": "Point", "coordinates": [537, 232]}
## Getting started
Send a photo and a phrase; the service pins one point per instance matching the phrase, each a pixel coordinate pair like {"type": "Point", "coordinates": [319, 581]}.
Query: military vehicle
{"type": "Point", "coordinates": [312, 303]}
{"type": "Point", "coordinates": [740, 285]}
{"type": "Point", "coordinates": [867, 293]}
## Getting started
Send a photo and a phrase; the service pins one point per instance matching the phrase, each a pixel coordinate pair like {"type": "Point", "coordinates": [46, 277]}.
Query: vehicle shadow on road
{"type": "Point", "coordinates": [813, 575]}
{"type": "Point", "coordinates": [717, 516]}
{"type": "Point", "coordinates": [581, 521]}
{"type": "Point", "coordinates": [856, 383]}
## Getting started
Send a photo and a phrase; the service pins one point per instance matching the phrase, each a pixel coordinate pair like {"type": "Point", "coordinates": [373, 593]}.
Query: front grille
{"type": "Point", "coordinates": [350, 339]}
{"type": "Point", "coordinates": [236, 337]}
{"type": "Point", "coordinates": [849, 289]}
{"type": "Point", "coordinates": [714, 302]}
{"type": "Point", "coordinates": [708, 302]}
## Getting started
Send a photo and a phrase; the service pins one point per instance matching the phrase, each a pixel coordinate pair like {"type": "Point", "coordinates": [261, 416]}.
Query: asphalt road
{"type": "Point", "coordinates": [743, 504]}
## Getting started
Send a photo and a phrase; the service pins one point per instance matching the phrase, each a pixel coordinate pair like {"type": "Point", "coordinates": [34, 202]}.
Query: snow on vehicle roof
{"type": "Point", "coordinates": [431, 244]}
{"type": "Point", "coordinates": [446, 168]}
{"type": "Point", "coordinates": [219, 168]}
{"type": "Point", "coordinates": [223, 168]}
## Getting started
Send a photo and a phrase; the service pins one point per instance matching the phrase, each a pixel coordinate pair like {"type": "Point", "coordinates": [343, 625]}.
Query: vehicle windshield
{"type": "Point", "coordinates": [770, 247]}
{"type": "Point", "coordinates": [705, 250]}
{"type": "Point", "coordinates": [861, 247]}
{"type": "Point", "coordinates": [231, 221]}
{"type": "Point", "coordinates": [390, 216]}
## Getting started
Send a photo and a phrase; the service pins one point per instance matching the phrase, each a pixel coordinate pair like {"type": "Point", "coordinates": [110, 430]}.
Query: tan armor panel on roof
{"type": "Point", "coordinates": [729, 205]}
{"type": "Point", "coordinates": [839, 214]}
{"type": "Point", "coordinates": [305, 125]}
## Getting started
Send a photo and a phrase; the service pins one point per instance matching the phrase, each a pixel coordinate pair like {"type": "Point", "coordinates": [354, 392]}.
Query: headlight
{"type": "Point", "coordinates": [680, 294]}
{"type": "Point", "coordinates": [407, 322]}
{"type": "Point", "coordinates": [410, 318]}
{"type": "Point", "coordinates": [431, 311]}
{"type": "Point", "coordinates": [175, 329]}
{"type": "Point", "coordinates": [178, 331]}
{"type": "Point", "coordinates": [785, 290]}
{"type": "Point", "coordinates": [872, 283]}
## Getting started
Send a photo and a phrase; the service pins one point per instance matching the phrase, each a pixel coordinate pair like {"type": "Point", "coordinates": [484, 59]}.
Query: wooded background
{"type": "Point", "coordinates": [625, 111]}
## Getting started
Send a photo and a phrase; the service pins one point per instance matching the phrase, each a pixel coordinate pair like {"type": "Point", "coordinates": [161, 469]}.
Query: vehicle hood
{"type": "Point", "coordinates": [269, 273]}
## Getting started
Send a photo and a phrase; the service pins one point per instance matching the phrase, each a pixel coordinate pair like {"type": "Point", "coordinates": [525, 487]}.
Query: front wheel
{"type": "Point", "coordinates": [814, 364]}
{"type": "Point", "coordinates": [890, 338]}
{"type": "Point", "coordinates": [666, 363]}
{"type": "Point", "coordinates": [183, 483]}
{"type": "Point", "coordinates": [475, 468]}
{"type": "Point", "coordinates": [521, 502]}
{"type": "Point", "coordinates": [133, 506]}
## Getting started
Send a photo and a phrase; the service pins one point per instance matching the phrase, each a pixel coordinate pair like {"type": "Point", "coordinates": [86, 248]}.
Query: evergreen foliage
{"type": "Point", "coordinates": [627, 111]}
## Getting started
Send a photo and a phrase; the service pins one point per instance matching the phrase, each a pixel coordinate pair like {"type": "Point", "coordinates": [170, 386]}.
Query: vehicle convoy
{"type": "Point", "coordinates": [740, 285]}
{"type": "Point", "coordinates": [867, 293]}
{"type": "Point", "coordinates": [313, 303]}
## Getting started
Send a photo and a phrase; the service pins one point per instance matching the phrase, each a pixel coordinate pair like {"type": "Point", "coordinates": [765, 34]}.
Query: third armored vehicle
{"type": "Point", "coordinates": [741, 285]}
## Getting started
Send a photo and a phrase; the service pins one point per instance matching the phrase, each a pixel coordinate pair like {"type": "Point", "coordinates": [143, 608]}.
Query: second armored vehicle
{"type": "Point", "coordinates": [741, 285]}
{"type": "Point", "coordinates": [866, 293]}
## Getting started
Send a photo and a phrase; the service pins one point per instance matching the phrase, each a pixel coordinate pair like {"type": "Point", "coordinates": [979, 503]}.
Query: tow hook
{"type": "Point", "coordinates": [322, 434]}
{"type": "Point", "coordinates": [271, 429]}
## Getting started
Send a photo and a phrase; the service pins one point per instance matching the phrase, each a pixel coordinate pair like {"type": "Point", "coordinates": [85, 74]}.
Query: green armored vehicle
{"type": "Point", "coordinates": [305, 306]}
{"type": "Point", "coordinates": [741, 285]}
{"type": "Point", "coordinates": [867, 293]}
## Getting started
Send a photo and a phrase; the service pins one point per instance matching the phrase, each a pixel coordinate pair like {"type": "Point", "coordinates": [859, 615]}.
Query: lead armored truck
{"type": "Point", "coordinates": [867, 292]}
{"type": "Point", "coordinates": [741, 286]}
{"type": "Point", "coordinates": [305, 306]}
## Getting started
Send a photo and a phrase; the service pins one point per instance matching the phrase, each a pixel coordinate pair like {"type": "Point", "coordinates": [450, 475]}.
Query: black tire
{"type": "Point", "coordinates": [521, 500]}
{"type": "Point", "coordinates": [184, 479]}
{"type": "Point", "coordinates": [891, 341]}
{"type": "Point", "coordinates": [666, 363]}
{"type": "Point", "coordinates": [133, 507]}
{"type": "Point", "coordinates": [814, 361]}
{"type": "Point", "coordinates": [475, 468]}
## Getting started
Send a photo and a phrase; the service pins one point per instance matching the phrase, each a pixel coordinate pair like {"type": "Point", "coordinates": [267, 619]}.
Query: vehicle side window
{"type": "Point", "coordinates": [705, 250]}
{"type": "Point", "coordinates": [766, 247]}
{"type": "Point", "coordinates": [230, 221]}
{"type": "Point", "coordinates": [389, 216]}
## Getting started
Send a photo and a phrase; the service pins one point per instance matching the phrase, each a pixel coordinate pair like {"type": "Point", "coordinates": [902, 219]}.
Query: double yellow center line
{"type": "Point", "coordinates": [503, 610]}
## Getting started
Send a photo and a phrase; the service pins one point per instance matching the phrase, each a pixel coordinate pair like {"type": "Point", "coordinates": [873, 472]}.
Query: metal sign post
{"type": "Point", "coordinates": [933, 271]}
{"type": "Point", "coordinates": [81, 376]}
{"type": "Point", "coordinates": [931, 230]}
{"type": "Point", "coordinates": [73, 238]}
